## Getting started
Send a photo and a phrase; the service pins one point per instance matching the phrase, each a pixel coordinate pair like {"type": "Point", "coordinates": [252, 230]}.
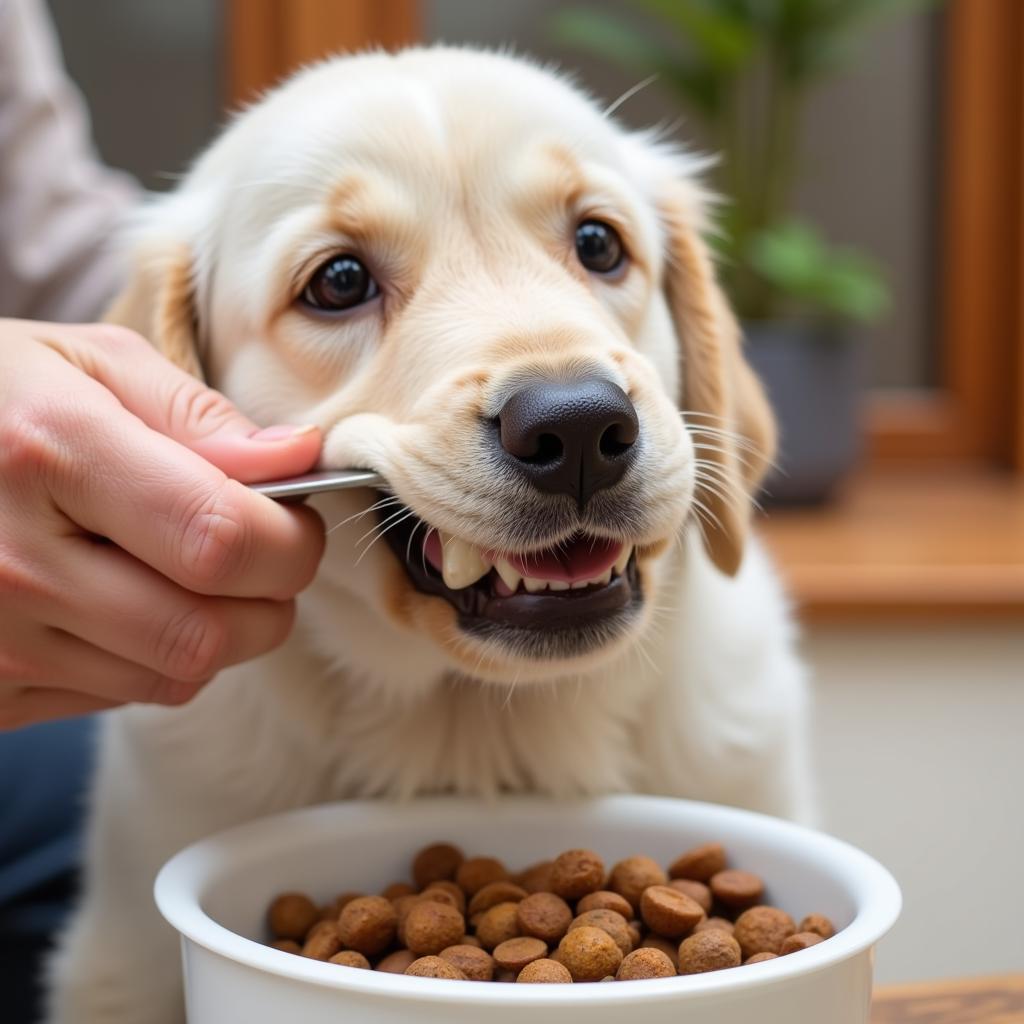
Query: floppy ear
{"type": "Point", "coordinates": [159, 302]}
{"type": "Point", "coordinates": [724, 406]}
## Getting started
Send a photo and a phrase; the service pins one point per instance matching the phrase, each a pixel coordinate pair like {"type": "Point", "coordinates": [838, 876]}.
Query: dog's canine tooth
{"type": "Point", "coordinates": [508, 575]}
{"type": "Point", "coordinates": [534, 585]}
{"type": "Point", "coordinates": [604, 579]}
{"type": "Point", "coordinates": [461, 562]}
{"type": "Point", "coordinates": [623, 560]}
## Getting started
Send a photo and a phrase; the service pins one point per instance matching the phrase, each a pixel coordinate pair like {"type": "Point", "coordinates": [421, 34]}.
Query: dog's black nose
{"type": "Point", "coordinates": [570, 437]}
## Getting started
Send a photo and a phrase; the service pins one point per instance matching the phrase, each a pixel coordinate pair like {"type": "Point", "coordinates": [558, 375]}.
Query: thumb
{"type": "Point", "coordinates": [178, 405]}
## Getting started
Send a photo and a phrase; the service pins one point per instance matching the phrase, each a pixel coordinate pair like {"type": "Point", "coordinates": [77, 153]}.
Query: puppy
{"type": "Point", "coordinates": [482, 288]}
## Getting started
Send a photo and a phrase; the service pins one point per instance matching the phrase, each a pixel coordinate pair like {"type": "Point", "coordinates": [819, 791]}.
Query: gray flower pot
{"type": "Point", "coordinates": [812, 373]}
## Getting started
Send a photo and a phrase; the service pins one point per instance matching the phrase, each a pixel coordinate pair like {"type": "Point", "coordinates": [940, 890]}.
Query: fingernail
{"type": "Point", "coordinates": [282, 432]}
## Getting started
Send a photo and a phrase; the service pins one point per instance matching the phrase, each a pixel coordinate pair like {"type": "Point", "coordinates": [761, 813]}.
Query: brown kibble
{"type": "Point", "coordinates": [609, 922]}
{"type": "Point", "coordinates": [670, 949]}
{"type": "Point", "coordinates": [350, 958]}
{"type": "Point", "coordinates": [494, 893]}
{"type": "Point", "coordinates": [645, 963]}
{"type": "Point", "coordinates": [435, 863]}
{"type": "Point", "coordinates": [762, 930]}
{"type": "Point", "coordinates": [368, 925]}
{"type": "Point", "coordinates": [515, 954]}
{"type": "Point", "coordinates": [544, 972]}
{"type": "Point", "coordinates": [719, 923]}
{"type": "Point", "coordinates": [545, 916]}
{"type": "Point", "coordinates": [605, 899]}
{"type": "Point", "coordinates": [636, 932]}
{"type": "Point", "coordinates": [286, 945]}
{"type": "Point", "coordinates": [453, 890]}
{"type": "Point", "coordinates": [402, 907]}
{"type": "Point", "coordinates": [396, 889]}
{"type": "Point", "coordinates": [474, 963]}
{"type": "Point", "coordinates": [576, 873]}
{"type": "Point", "coordinates": [323, 941]}
{"type": "Point", "coordinates": [710, 950]}
{"type": "Point", "coordinates": [438, 895]}
{"type": "Point", "coordinates": [631, 876]}
{"type": "Point", "coordinates": [669, 912]}
{"type": "Point", "coordinates": [801, 940]}
{"type": "Point", "coordinates": [291, 915]}
{"type": "Point", "coordinates": [397, 962]}
{"type": "Point", "coordinates": [504, 976]}
{"type": "Point", "coordinates": [470, 940]}
{"type": "Point", "coordinates": [818, 924]}
{"type": "Point", "coordinates": [759, 958]}
{"type": "Point", "coordinates": [331, 911]}
{"type": "Point", "coordinates": [498, 924]}
{"type": "Point", "coordinates": [431, 927]}
{"type": "Point", "coordinates": [697, 891]}
{"type": "Point", "coordinates": [537, 877]}
{"type": "Point", "coordinates": [699, 863]}
{"type": "Point", "coordinates": [589, 953]}
{"type": "Point", "coordinates": [475, 873]}
{"type": "Point", "coordinates": [737, 889]}
{"type": "Point", "coordinates": [434, 967]}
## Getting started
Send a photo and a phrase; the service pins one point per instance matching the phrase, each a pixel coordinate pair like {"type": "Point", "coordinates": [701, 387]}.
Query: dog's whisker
{"type": "Point", "coordinates": [398, 522]}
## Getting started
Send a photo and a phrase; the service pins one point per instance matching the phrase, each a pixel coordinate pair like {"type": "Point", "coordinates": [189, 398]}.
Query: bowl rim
{"type": "Point", "coordinates": [179, 883]}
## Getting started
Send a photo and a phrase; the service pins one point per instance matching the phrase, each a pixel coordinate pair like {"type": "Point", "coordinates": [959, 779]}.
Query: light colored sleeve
{"type": "Point", "coordinates": [59, 205]}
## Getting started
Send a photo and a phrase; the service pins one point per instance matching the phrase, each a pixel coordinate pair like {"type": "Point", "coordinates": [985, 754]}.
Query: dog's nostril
{"type": "Point", "coordinates": [549, 449]}
{"type": "Point", "coordinates": [617, 439]}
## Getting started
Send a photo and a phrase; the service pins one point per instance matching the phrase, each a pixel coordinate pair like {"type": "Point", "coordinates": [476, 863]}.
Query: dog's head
{"type": "Point", "coordinates": [482, 288]}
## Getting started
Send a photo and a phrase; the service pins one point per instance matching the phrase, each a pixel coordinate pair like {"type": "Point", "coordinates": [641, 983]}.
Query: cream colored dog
{"type": "Point", "coordinates": [482, 288]}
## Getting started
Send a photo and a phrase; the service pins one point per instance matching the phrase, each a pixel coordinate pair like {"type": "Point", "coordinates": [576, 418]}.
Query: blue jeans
{"type": "Point", "coordinates": [44, 773]}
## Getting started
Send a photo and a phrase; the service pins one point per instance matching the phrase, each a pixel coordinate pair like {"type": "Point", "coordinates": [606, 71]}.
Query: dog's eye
{"type": "Point", "coordinates": [340, 283]}
{"type": "Point", "coordinates": [599, 246]}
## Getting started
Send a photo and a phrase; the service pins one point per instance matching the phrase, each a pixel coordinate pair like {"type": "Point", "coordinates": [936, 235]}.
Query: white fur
{"type": "Point", "coordinates": [706, 700]}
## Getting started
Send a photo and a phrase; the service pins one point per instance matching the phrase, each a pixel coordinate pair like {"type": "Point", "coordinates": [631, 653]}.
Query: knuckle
{"type": "Point", "coordinates": [192, 646]}
{"type": "Point", "coordinates": [216, 542]}
{"type": "Point", "coordinates": [27, 437]}
{"type": "Point", "coordinates": [196, 410]}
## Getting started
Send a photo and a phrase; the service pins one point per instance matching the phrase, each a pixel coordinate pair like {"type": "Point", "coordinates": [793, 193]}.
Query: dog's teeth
{"type": "Point", "coordinates": [558, 584]}
{"type": "Point", "coordinates": [533, 586]}
{"type": "Point", "coordinates": [623, 560]}
{"type": "Point", "coordinates": [580, 584]}
{"type": "Point", "coordinates": [461, 562]}
{"type": "Point", "coordinates": [508, 575]}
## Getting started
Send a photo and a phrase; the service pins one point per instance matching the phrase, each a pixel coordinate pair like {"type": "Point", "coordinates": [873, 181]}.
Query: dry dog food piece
{"type": "Point", "coordinates": [759, 958]}
{"type": "Point", "coordinates": [498, 924]}
{"type": "Point", "coordinates": [291, 915]}
{"type": "Point", "coordinates": [456, 893]}
{"type": "Point", "coordinates": [436, 863]}
{"type": "Point", "coordinates": [801, 940]}
{"type": "Point", "coordinates": [634, 874]}
{"type": "Point", "coordinates": [645, 963]}
{"type": "Point", "coordinates": [431, 927]}
{"type": "Point", "coordinates": [475, 873]}
{"type": "Point", "coordinates": [470, 940]}
{"type": "Point", "coordinates": [537, 877]}
{"type": "Point", "coordinates": [323, 941]}
{"type": "Point", "coordinates": [286, 945]}
{"type": "Point", "coordinates": [762, 930]}
{"type": "Point", "coordinates": [515, 954]}
{"type": "Point", "coordinates": [396, 889]}
{"type": "Point", "coordinates": [700, 863]}
{"type": "Point", "coordinates": [737, 889]}
{"type": "Point", "coordinates": [669, 912]}
{"type": "Point", "coordinates": [819, 924]}
{"type": "Point", "coordinates": [350, 958]}
{"type": "Point", "coordinates": [608, 921]}
{"type": "Point", "coordinates": [439, 895]}
{"type": "Point", "coordinates": [368, 925]}
{"type": "Point", "coordinates": [545, 916]}
{"type": "Point", "coordinates": [575, 873]}
{"type": "Point", "coordinates": [590, 954]}
{"type": "Point", "coordinates": [697, 891]}
{"type": "Point", "coordinates": [605, 899]}
{"type": "Point", "coordinates": [434, 967]}
{"type": "Point", "coordinates": [710, 950]}
{"type": "Point", "coordinates": [715, 922]}
{"type": "Point", "coordinates": [474, 963]}
{"type": "Point", "coordinates": [636, 932]}
{"type": "Point", "coordinates": [494, 893]}
{"type": "Point", "coordinates": [397, 962]}
{"type": "Point", "coordinates": [670, 949]}
{"type": "Point", "coordinates": [544, 972]}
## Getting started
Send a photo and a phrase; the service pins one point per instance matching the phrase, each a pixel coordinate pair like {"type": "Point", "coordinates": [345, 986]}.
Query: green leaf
{"type": "Point", "coordinates": [723, 37]}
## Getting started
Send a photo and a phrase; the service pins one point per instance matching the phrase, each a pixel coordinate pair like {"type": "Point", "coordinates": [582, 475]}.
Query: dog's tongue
{"type": "Point", "coordinates": [582, 558]}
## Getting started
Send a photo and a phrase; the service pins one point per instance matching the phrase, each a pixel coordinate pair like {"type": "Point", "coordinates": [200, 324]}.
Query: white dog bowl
{"type": "Point", "coordinates": [216, 892]}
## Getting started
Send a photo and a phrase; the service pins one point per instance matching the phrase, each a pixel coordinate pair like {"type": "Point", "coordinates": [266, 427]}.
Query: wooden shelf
{"type": "Point", "coordinates": [917, 544]}
{"type": "Point", "coordinates": [978, 1000]}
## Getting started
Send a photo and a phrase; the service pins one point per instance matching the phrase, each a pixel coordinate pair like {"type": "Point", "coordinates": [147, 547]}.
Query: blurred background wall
{"type": "Point", "coordinates": [919, 718]}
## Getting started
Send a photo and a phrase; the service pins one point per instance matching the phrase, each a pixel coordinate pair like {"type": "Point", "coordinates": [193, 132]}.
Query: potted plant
{"type": "Point", "coordinates": [744, 68]}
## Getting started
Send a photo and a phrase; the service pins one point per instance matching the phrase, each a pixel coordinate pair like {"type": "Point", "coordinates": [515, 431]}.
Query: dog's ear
{"type": "Point", "coordinates": [723, 404]}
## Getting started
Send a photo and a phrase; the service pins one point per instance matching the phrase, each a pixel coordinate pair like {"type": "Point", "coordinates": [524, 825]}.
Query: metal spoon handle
{"type": "Point", "coordinates": [315, 483]}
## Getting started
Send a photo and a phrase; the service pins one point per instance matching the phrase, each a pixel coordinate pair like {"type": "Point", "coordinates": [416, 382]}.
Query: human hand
{"type": "Point", "coordinates": [133, 564]}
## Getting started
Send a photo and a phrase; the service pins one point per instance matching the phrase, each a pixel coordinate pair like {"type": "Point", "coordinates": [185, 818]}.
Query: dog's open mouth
{"type": "Point", "coordinates": [584, 582]}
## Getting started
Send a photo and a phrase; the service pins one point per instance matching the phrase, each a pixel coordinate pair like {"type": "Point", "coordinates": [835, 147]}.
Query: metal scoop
{"type": "Point", "coordinates": [315, 483]}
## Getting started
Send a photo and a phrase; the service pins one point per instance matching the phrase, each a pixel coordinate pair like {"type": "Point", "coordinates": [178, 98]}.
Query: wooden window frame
{"type": "Point", "coordinates": [976, 413]}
